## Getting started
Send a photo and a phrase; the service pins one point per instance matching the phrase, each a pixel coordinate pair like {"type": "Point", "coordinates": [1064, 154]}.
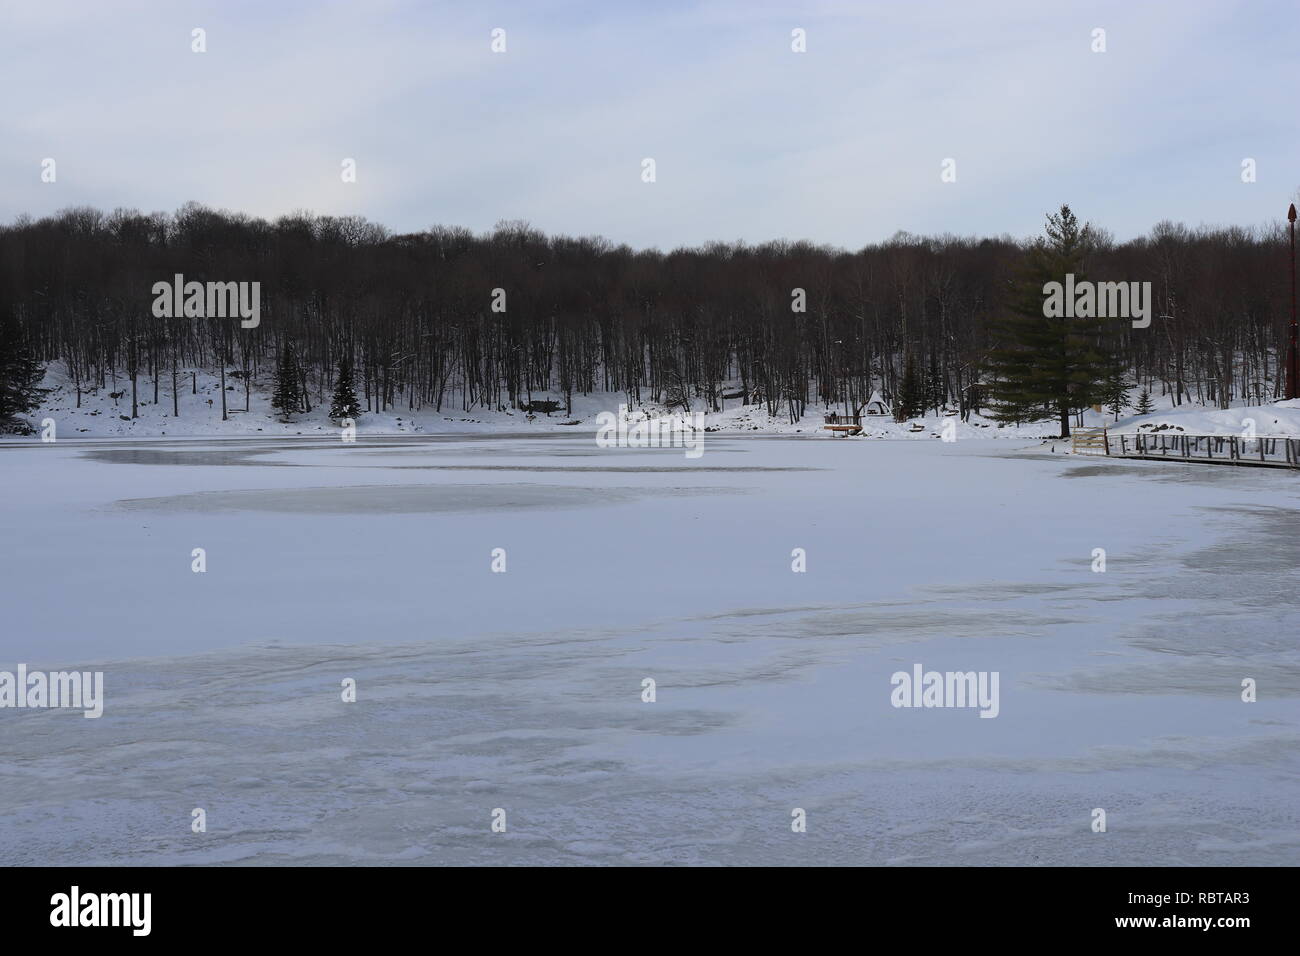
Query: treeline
{"type": "Point", "coordinates": [446, 318]}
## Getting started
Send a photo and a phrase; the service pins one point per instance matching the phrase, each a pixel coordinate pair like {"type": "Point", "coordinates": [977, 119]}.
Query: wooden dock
{"type": "Point", "coordinates": [1208, 449]}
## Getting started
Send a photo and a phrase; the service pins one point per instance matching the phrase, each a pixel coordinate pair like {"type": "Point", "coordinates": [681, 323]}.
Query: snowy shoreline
{"type": "Point", "coordinates": [100, 416]}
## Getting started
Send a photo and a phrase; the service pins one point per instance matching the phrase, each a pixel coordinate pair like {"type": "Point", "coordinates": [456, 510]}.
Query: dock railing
{"type": "Point", "coordinates": [1089, 441]}
{"type": "Point", "coordinates": [1216, 449]}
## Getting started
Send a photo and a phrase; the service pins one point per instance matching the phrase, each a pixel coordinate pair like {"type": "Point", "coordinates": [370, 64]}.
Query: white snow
{"type": "Point", "coordinates": [1278, 420]}
{"type": "Point", "coordinates": [198, 401]}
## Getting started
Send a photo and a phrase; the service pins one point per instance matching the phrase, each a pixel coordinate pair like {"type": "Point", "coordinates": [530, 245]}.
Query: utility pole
{"type": "Point", "coordinates": [1292, 361]}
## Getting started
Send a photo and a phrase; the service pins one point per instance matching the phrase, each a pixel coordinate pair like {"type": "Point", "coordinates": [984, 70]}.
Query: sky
{"type": "Point", "coordinates": [844, 144]}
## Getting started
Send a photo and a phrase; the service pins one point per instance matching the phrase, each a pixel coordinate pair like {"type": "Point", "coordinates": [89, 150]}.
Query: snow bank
{"type": "Point", "coordinates": [1279, 420]}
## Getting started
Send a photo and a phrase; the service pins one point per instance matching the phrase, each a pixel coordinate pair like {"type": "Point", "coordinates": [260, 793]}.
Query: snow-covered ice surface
{"type": "Point", "coordinates": [478, 690]}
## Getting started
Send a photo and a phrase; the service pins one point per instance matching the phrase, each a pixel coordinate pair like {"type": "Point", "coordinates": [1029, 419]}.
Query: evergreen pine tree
{"type": "Point", "coordinates": [1043, 364]}
{"type": "Point", "coordinates": [1144, 406]}
{"type": "Point", "coordinates": [1117, 393]}
{"type": "Point", "coordinates": [345, 404]}
{"type": "Point", "coordinates": [911, 393]}
{"type": "Point", "coordinates": [935, 393]}
{"type": "Point", "coordinates": [20, 377]}
{"type": "Point", "coordinates": [285, 397]}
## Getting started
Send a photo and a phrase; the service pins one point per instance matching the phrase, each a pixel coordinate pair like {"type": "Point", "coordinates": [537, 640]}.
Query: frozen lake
{"type": "Point", "coordinates": [523, 690]}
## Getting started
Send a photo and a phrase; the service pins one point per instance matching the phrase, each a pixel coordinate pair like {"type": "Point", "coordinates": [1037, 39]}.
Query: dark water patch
{"type": "Point", "coordinates": [205, 457]}
{"type": "Point", "coordinates": [1095, 471]}
{"type": "Point", "coordinates": [615, 469]}
{"type": "Point", "coordinates": [1266, 543]}
{"type": "Point", "coordinates": [405, 499]}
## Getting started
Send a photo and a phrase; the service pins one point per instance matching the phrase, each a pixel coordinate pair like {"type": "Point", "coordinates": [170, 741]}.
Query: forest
{"type": "Point", "coordinates": [446, 318]}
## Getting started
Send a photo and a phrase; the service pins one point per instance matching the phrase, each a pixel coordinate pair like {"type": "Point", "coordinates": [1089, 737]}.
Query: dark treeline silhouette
{"type": "Point", "coordinates": [412, 314]}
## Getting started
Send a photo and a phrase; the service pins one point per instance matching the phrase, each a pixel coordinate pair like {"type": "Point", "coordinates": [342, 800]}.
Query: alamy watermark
{"type": "Point", "coordinates": [208, 300]}
{"type": "Point", "coordinates": [79, 690]}
{"type": "Point", "coordinates": [922, 688]}
{"type": "Point", "coordinates": [681, 430]}
{"type": "Point", "coordinates": [1100, 300]}
{"type": "Point", "coordinates": [76, 908]}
